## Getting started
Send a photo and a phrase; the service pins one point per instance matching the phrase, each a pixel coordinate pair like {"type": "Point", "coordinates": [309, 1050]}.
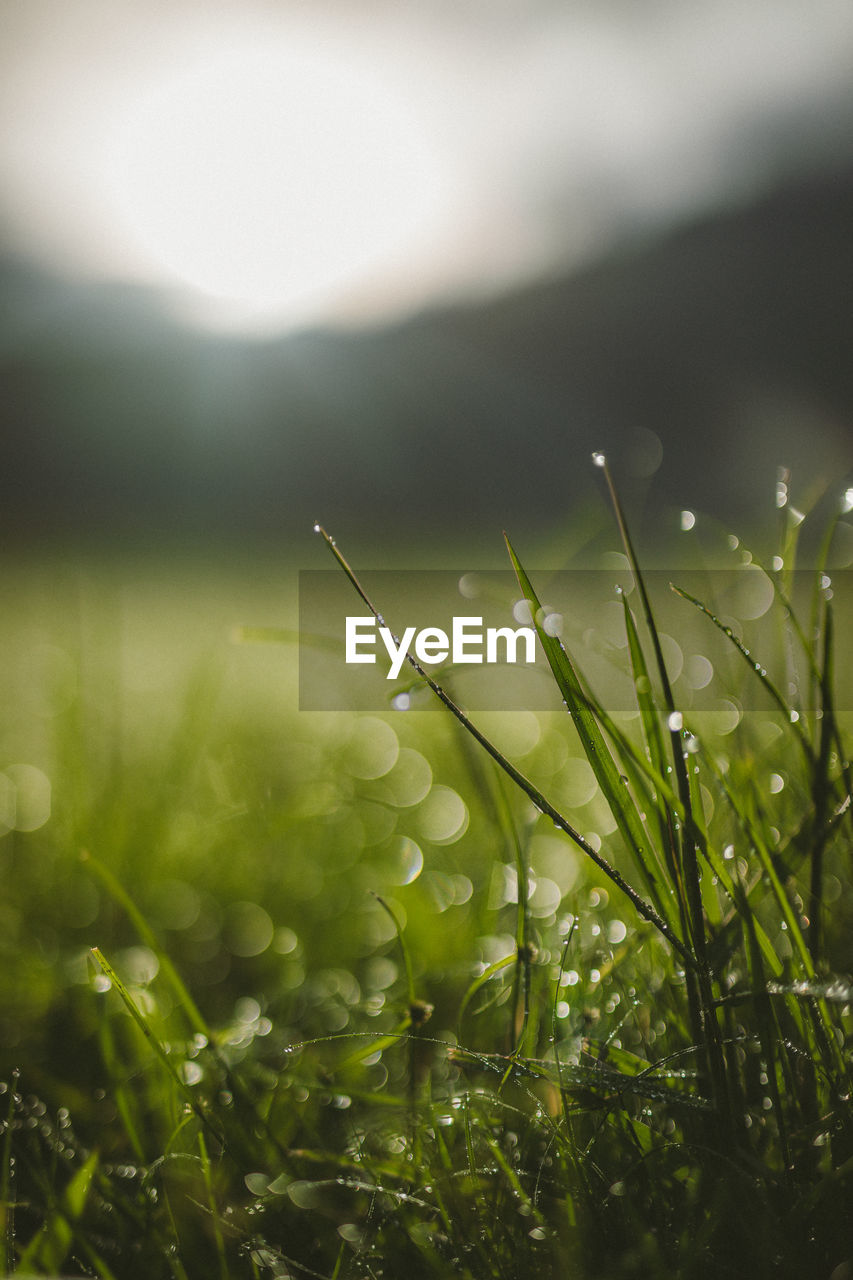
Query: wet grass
{"type": "Point", "coordinates": [339, 996]}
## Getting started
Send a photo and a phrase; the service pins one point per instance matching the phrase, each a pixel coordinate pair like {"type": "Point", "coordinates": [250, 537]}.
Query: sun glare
{"type": "Point", "coordinates": [270, 182]}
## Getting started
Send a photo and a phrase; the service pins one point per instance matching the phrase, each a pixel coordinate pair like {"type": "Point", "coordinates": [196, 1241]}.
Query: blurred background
{"type": "Point", "coordinates": [401, 267]}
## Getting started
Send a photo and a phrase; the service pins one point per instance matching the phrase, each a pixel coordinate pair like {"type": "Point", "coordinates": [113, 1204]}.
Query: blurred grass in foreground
{"type": "Point", "coordinates": [357, 1008]}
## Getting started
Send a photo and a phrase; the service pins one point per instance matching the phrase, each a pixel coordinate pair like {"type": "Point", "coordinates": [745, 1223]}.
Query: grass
{"type": "Point", "coordinates": [356, 996]}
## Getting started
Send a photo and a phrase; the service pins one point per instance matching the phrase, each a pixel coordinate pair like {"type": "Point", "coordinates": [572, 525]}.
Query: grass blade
{"type": "Point", "coordinates": [700, 996]}
{"type": "Point", "coordinates": [608, 775]}
{"type": "Point", "coordinates": [643, 908]}
{"type": "Point", "coordinates": [131, 1006]}
{"type": "Point", "coordinates": [48, 1249]}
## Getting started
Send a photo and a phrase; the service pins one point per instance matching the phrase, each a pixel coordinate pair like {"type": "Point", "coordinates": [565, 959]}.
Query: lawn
{"type": "Point", "coordinates": [416, 993]}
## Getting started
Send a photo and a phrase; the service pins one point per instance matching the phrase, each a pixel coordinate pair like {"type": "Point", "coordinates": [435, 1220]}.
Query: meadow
{"type": "Point", "coordinates": [353, 995]}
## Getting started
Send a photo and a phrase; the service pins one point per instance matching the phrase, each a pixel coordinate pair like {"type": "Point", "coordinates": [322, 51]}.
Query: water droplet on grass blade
{"type": "Point", "coordinates": [599, 460]}
{"type": "Point", "coordinates": [256, 1183]}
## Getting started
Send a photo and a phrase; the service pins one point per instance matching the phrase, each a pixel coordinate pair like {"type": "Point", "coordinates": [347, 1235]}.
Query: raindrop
{"type": "Point", "coordinates": [408, 861]}
{"type": "Point", "coordinates": [139, 965]}
{"type": "Point", "coordinates": [256, 1183]}
{"type": "Point", "coordinates": [285, 941]}
{"type": "Point", "coordinates": [443, 816]}
{"type": "Point", "coordinates": [191, 1072]}
{"type": "Point", "coordinates": [247, 1010]}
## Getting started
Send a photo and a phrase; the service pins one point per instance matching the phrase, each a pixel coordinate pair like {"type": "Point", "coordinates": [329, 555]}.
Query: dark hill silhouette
{"type": "Point", "coordinates": [730, 339]}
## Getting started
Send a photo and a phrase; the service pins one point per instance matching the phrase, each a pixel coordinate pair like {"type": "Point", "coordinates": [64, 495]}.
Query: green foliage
{"type": "Point", "coordinates": [272, 1020]}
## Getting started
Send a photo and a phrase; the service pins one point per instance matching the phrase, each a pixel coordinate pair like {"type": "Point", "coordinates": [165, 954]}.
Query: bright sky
{"type": "Point", "coordinates": [276, 163]}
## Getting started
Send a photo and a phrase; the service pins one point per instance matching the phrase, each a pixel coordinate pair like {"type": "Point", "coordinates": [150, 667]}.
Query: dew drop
{"type": "Point", "coordinates": [675, 722]}
{"type": "Point", "coordinates": [599, 460]}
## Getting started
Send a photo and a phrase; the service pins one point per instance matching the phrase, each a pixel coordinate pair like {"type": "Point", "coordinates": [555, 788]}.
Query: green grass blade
{"type": "Point", "coordinates": [7, 1184]}
{"type": "Point", "coordinates": [656, 749]}
{"type": "Point", "coordinates": [49, 1247]}
{"type": "Point", "coordinates": [608, 775]}
{"type": "Point", "coordinates": [756, 668]}
{"type": "Point", "coordinates": [141, 1022]}
{"type": "Point", "coordinates": [532, 792]}
{"type": "Point", "coordinates": [480, 981]}
{"type": "Point", "coordinates": [704, 1018]}
{"type": "Point", "coordinates": [120, 895]}
{"type": "Point", "coordinates": [821, 787]}
{"type": "Point", "coordinates": [404, 950]}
